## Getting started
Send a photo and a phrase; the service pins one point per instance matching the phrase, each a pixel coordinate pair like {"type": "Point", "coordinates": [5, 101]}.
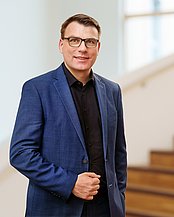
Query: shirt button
{"type": "Point", "coordinates": [110, 185]}
{"type": "Point", "coordinates": [85, 161]}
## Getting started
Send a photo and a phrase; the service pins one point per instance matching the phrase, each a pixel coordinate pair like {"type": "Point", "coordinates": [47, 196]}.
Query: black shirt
{"type": "Point", "coordinates": [86, 103]}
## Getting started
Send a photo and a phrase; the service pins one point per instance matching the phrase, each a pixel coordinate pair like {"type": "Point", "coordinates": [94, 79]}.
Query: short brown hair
{"type": "Point", "coordinates": [81, 19]}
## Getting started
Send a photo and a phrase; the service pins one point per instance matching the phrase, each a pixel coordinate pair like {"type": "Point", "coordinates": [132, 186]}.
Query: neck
{"type": "Point", "coordinates": [82, 76]}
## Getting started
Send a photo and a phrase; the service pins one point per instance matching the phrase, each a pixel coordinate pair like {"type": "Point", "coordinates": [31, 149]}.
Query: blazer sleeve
{"type": "Point", "coordinates": [120, 151]}
{"type": "Point", "coordinates": [26, 142]}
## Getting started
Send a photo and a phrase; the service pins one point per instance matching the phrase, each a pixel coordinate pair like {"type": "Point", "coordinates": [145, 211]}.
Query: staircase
{"type": "Point", "coordinates": [150, 191]}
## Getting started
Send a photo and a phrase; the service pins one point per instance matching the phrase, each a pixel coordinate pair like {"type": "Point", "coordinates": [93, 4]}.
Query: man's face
{"type": "Point", "coordinates": [79, 59]}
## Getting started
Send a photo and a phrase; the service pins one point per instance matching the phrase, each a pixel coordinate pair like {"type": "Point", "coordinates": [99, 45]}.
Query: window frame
{"type": "Point", "coordinates": [122, 18]}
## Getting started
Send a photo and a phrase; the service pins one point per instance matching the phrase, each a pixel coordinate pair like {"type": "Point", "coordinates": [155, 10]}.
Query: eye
{"type": "Point", "coordinates": [74, 40]}
{"type": "Point", "coordinates": [91, 41]}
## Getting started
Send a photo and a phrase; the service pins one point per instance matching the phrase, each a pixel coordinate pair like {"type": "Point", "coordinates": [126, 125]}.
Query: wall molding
{"type": "Point", "coordinates": [142, 75]}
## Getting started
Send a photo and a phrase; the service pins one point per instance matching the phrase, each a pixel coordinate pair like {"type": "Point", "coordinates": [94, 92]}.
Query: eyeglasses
{"type": "Point", "coordinates": [76, 42]}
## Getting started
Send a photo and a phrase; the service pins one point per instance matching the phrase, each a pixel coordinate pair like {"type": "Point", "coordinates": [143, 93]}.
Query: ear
{"type": "Point", "coordinates": [60, 45]}
{"type": "Point", "coordinates": [98, 46]}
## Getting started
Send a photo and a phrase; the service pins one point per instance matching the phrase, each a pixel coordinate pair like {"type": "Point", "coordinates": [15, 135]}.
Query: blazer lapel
{"type": "Point", "coordinates": [101, 94]}
{"type": "Point", "coordinates": [64, 92]}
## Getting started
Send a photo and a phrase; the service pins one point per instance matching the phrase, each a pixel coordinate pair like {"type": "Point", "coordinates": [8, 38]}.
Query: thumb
{"type": "Point", "coordinates": [93, 175]}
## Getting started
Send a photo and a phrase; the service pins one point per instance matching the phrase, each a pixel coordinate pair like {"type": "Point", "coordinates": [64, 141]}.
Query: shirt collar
{"type": "Point", "coordinates": [70, 77]}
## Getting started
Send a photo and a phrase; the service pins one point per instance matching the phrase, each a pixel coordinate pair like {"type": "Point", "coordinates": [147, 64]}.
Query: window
{"type": "Point", "coordinates": [148, 31]}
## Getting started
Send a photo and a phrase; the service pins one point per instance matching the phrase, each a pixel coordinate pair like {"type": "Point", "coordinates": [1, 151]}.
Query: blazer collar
{"type": "Point", "coordinates": [101, 95]}
{"type": "Point", "coordinates": [64, 92]}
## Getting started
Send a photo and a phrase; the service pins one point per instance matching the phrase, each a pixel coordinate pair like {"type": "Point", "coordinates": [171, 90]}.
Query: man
{"type": "Point", "coordinates": [69, 135]}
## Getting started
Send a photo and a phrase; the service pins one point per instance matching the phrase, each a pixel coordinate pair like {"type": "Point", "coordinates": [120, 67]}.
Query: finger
{"type": "Point", "coordinates": [94, 193]}
{"type": "Point", "coordinates": [92, 175]}
{"type": "Point", "coordinates": [91, 197]}
{"type": "Point", "coordinates": [94, 189]}
{"type": "Point", "coordinates": [95, 181]}
{"type": "Point", "coordinates": [97, 187]}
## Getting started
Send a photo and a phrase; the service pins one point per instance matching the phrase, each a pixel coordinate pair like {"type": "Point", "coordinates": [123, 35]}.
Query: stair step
{"type": "Point", "coordinates": [151, 176]}
{"type": "Point", "coordinates": [162, 158]}
{"type": "Point", "coordinates": [139, 213]}
{"type": "Point", "coordinates": [153, 199]}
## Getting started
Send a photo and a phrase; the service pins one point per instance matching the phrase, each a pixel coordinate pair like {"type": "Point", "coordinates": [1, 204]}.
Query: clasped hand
{"type": "Point", "coordinates": [87, 185]}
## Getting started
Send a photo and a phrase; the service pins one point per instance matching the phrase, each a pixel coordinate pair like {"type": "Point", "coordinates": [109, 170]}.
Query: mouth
{"type": "Point", "coordinates": [81, 58]}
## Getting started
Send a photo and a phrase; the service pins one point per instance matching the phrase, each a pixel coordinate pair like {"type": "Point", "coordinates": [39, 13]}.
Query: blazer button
{"type": "Point", "coordinates": [85, 161]}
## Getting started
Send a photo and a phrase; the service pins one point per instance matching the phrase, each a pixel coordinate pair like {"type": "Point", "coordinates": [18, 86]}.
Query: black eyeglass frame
{"type": "Point", "coordinates": [81, 39]}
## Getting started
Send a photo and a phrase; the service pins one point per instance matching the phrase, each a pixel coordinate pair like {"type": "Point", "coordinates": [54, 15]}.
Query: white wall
{"type": "Point", "coordinates": [149, 108]}
{"type": "Point", "coordinates": [12, 188]}
{"type": "Point", "coordinates": [26, 50]}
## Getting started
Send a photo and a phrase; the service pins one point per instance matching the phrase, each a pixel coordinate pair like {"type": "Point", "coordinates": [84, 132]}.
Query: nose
{"type": "Point", "coordinates": [82, 46]}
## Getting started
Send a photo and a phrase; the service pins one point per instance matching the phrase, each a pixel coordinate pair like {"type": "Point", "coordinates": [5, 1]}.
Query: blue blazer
{"type": "Point", "coordinates": [48, 146]}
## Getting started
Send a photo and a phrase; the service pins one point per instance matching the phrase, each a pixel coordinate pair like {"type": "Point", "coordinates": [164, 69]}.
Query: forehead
{"type": "Point", "coordinates": [78, 30]}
